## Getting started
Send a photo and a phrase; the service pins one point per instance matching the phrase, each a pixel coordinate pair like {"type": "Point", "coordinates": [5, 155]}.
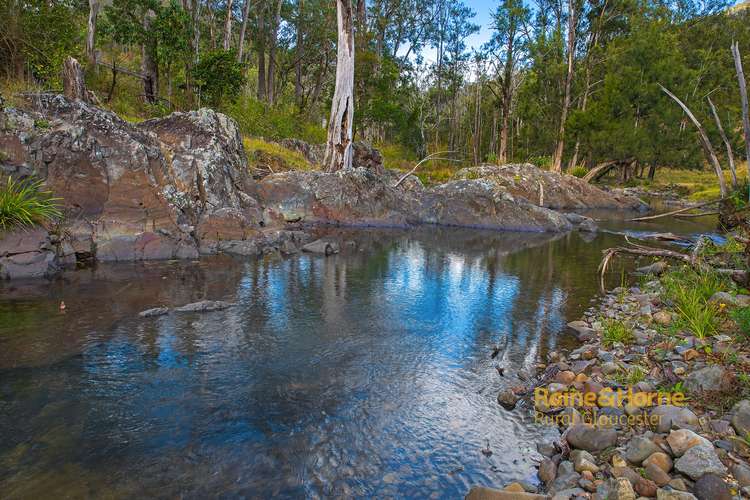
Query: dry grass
{"type": "Point", "coordinates": [282, 158]}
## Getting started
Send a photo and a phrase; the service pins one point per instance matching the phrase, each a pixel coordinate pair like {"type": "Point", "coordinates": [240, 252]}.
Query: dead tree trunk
{"type": "Point", "coordinates": [727, 144]}
{"type": "Point", "coordinates": [339, 146]}
{"type": "Point", "coordinates": [572, 29]}
{"type": "Point", "coordinates": [705, 142]}
{"type": "Point", "coordinates": [74, 86]}
{"type": "Point", "coordinates": [743, 95]}
{"type": "Point", "coordinates": [91, 32]}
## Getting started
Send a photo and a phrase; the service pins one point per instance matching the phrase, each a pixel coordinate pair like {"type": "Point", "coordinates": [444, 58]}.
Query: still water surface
{"type": "Point", "coordinates": [363, 374]}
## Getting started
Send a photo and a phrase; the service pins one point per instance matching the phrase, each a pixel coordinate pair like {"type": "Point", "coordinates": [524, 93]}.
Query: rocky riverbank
{"type": "Point", "coordinates": [689, 441]}
{"type": "Point", "coordinates": [179, 187]}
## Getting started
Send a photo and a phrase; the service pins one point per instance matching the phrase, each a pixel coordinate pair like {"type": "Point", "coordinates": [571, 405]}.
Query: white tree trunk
{"type": "Point", "coordinates": [91, 32]}
{"type": "Point", "coordinates": [727, 144]}
{"type": "Point", "coordinates": [339, 146]}
{"type": "Point", "coordinates": [228, 26]}
{"type": "Point", "coordinates": [743, 96]}
{"type": "Point", "coordinates": [572, 31]}
{"type": "Point", "coordinates": [705, 142]}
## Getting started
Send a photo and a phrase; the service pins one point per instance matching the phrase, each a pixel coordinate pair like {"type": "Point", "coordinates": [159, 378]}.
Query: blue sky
{"type": "Point", "coordinates": [483, 19]}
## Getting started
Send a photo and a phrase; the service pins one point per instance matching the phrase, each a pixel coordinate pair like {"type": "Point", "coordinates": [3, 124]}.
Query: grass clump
{"type": "Point", "coordinates": [25, 204]}
{"type": "Point", "coordinates": [616, 331]}
{"type": "Point", "coordinates": [690, 291]}
{"type": "Point", "coordinates": [579, 171]}
{"type": "Point", "coordinates": [631, 377]}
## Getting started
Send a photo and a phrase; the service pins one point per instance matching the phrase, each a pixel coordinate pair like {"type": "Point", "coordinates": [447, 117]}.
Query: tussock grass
{"type": "Point", "coordinates": [616, 331]}
{"type": "Point", "coordinates": [690, 291]}
{"type": "Point", "coordinates": [25, 204]}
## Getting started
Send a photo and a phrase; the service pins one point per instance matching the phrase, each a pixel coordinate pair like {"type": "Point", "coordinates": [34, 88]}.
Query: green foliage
{"type": "Point", "coordinates": [741, 316]}
{"type": "Point", "coordinates": [616, 331]}
{"type": "Point", "coordinates": [219, 76]}
{"type": "Point", "coordinates": [25, 204]}
{"type": "Point", "coordinates": [36, 36]}
{"type": "Point", "coordinates": [257, 119]}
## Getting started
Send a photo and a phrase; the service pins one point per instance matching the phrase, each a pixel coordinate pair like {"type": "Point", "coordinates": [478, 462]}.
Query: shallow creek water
{"type": "Point", "coordinates": [363, 374]}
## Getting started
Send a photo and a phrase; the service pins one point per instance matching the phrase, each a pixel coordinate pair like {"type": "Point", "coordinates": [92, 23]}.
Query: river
{"type": "Point", "coordinates": [363, 374]}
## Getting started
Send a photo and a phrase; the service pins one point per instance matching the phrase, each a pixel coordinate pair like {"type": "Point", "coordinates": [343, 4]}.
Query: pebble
{"type": "Point", "coordinates": [711, 487]}
{"type": "Point", "coordinates": [698, 460]}
{"type": "Point", "coordinates": [661, 460]}
{"type": "Point", "coordinates": [657, 475]}
{"type": "Point", "coordinates": [741, 417]}
{"type": "Point", "coordinates": [682, 440]}
{"type": "Point", "coordinates": [639, 449]}
{"type": "Point", "coordinates": [590, 438]}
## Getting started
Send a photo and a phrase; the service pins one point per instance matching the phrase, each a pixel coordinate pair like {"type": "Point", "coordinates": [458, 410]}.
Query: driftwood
{"type": "Point", "coordinates": [692, 216]}
{"type": "Point", "coordinates": [675, 212]}
{"type": "Point", "coordinates": [429, 157]}
{"type": "Point", "coordinates": [74, 85]}
{"type": "Point", "coordinates": [704, 140]}
{"type": "Point", "coordinates": [692, 259]}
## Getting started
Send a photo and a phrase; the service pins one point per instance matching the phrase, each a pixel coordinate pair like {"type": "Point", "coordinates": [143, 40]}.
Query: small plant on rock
{"type": "Point", "coordinates": [579, 171]}
{"type": "Point", "coordinates": [616, 331]}
{"type": "Point", "coordinates": [25, 204]}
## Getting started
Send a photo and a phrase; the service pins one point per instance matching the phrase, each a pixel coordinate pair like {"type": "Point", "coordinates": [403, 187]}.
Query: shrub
{"type": "Point", "coordinates": [24, 204]}
{"type": "Point", "coordinates": [219, 76]}
{"type": "Point", "coordinates": [579, 171]}
{"type": "Point", "coordinates": [616, 331]}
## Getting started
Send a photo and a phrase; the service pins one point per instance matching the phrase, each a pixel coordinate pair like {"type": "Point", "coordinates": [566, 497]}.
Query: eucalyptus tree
{"type": "Point", "coordinates": [340, 126]}
{"type": "Point", "coordinates": [506, 49]}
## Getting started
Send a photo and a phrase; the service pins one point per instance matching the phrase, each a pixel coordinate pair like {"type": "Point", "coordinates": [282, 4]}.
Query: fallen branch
{"type": "Point", "coordinates": [702, 214]}
{"type": "Point", "coordinates": [429, 157]}
{"type": "Point", "coordinates": [674, 212]}
{"type": "Point", "coordinates": [693, 259]}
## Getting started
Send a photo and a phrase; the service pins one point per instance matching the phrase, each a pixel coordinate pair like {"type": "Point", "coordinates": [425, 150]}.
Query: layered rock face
{"type": "Point", "coordinates": [549, 189]}
{"type": "Point", "coordinates": [179, 187]}
{"type": "Point", "coordinates": [33, 254]}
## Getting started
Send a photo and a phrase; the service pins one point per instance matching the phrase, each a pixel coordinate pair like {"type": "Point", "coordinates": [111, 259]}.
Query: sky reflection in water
{"type": "Point", "coordinates": [367, 373]}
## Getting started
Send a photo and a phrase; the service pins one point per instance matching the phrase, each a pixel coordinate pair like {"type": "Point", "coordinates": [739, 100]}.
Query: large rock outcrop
{"type": "Point", "coordinates": [179, 186]}
{"type": "Point", "coordinates": [157, 190]}
{"type": "Point", "coordinates": [361, 197]}
{"type": "Point", "coordinates": [549, 189]}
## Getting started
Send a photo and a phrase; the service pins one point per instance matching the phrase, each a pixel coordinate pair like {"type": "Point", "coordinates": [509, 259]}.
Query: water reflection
{"type": "Point", "coordinates": [367, 373]}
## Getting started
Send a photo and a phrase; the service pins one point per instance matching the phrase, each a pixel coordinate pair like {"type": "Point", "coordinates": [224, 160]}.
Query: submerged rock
{"type": "Point", "coordinates": [205, 306]}
{"type": "Point", "coordinates": [156, 311]}
{"type": "Point", "coordinates": [322, 247]}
